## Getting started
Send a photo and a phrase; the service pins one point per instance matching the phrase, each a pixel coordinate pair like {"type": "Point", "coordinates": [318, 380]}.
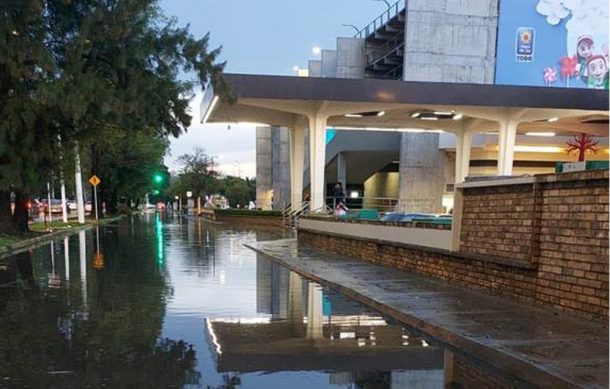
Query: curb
{"type": "Point", "coordinates": [28, 244]}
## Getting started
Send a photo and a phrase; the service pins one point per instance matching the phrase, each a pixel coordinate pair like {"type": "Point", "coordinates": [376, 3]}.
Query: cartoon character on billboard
{"type": "Point", "coordinates": [597, 69]}
{"type": "Point", "coordinates": [584, 51]}
{"type": "Point", "coordinates": [586, 27]}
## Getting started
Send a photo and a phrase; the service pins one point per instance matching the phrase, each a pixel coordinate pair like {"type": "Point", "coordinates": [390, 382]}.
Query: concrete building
{"type": "Point", "coordinates": [430, 45]}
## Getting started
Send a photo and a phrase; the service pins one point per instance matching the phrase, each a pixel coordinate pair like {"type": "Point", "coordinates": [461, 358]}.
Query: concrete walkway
{"type": "Point", "coordinates": [540, 346]}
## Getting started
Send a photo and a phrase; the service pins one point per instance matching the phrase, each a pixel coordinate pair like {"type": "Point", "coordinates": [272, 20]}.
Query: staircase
{"type": "Point", "coordinates": [290, 216]}
{"type": "Point", "coordinates": [385, 43]}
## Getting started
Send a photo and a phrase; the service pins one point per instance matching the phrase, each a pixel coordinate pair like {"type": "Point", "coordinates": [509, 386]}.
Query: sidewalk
{"type": "Point", "coordinates": [538, 345]}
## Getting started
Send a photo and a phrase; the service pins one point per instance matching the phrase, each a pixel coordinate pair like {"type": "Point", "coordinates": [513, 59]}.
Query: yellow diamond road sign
{"type": "Point", "coordinates": [94, 180]}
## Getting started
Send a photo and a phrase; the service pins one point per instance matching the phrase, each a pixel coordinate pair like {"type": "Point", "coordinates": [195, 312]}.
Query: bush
{"type": "Point", "coordinates": [123, 209]}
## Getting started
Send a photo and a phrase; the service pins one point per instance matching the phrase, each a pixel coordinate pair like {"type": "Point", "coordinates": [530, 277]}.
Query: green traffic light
{"type": "Point", "coordinates": [158, 178]}
{"type": "Point", "coordinates": [156, 192]}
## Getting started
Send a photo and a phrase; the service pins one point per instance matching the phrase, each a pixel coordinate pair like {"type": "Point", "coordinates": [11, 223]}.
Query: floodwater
{"type": "Point", "coordinates": [163, 302]}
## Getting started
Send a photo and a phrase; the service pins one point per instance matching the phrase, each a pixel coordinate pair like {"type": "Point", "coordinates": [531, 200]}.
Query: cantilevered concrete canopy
{"type": "Point", "coordinates": [315, 103]}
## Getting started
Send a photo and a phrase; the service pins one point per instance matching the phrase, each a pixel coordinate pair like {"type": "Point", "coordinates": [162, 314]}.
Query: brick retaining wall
{"type": "Point", "coordinates": [546, 241]}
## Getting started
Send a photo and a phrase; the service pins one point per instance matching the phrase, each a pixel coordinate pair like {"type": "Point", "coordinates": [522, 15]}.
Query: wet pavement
{"type": "Point", "coordinates": [539, 346]}
{"type": "Point", "coordinates": [163, 302]}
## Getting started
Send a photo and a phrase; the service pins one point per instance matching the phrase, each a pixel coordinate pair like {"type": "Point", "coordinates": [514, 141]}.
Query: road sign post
{"type": "Point", "coordinates": [95, 181]}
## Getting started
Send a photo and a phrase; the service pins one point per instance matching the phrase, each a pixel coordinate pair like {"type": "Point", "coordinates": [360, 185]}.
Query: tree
{"type": "Point", "coordinates": [237, 194]}
{"type": "Point", "coordinates": [79, 71]}
{"type": "Point", "coordinates": [197, 174]}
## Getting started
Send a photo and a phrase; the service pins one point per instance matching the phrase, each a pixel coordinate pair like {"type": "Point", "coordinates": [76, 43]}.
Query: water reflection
{"type": "Point", "coordinates": [168, 302]}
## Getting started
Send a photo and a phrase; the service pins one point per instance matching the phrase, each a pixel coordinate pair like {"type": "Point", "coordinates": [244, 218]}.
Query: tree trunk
{"type": "Point", "coordinates": [111, 206]}
{"type": "Point", "coordinates": [6, 215]}
{"type": "Point", "coordinates": [20, 215]}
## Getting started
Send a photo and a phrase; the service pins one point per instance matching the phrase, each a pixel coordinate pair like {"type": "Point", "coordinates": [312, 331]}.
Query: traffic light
{"type": "Point", "coordinates": [155, 192]}
{"type": "Point", "coordinates": [158, 178]}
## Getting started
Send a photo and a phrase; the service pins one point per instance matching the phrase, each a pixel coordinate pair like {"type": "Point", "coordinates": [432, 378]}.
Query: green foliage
{"type": "Point", "coordinates": [110, 75]}
{"type": "Point", "coordinates": [237, 194]}
{"type": "Point", "coordinates": [198, 174]}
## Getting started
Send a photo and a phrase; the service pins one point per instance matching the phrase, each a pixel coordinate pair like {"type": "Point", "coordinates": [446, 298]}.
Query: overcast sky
{"type": "Point", "coordinates": [259, 37]}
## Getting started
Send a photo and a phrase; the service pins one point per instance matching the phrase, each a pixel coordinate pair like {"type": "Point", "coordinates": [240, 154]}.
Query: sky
{"type": "Point", "coordinates": [259, 37]}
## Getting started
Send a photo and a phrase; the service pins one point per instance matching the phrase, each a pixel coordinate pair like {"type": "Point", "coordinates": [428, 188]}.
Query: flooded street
{"type": "Point", "coordinates": [167, 302]}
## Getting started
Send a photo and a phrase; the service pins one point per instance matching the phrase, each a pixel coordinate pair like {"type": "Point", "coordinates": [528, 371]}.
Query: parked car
{"type": "Point", "coordinates": [72, 205]}
{"type": "Point", "coordinates": [56, 205]}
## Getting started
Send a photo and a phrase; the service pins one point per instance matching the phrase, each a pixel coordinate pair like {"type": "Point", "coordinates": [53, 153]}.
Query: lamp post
{"type": "Point", "coordinates": [386, 3]}
{"type": "Point", "coordinates": [352, 26]}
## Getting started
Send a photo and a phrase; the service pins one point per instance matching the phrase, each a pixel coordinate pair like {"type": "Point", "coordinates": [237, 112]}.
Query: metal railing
{"type": "Point", "coordinates": [388, 48]}
{"type": "Point", "coordinates": [290, 215]}
{"type": "Point", "coordinates": [381, 20]}
{"type": "Point", "coordinates": [381, 204]}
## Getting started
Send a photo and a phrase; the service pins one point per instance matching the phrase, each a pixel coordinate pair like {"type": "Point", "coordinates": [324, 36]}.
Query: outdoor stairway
{"type": "Point", "coordinates": [290, 216]}
{"type": "Point", "coordinates": [385, 43]}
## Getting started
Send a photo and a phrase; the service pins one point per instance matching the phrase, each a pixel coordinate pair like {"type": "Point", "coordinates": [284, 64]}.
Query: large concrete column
{"type": "Point", "coordinates": [297, 161]}
{"type": "Point", "coordinates": [264, 173]}
{"type": "Point", "coordinates": [506, 151]}
{"type": "Point", "coordinates": [421, 173]}
{"type": "Point", "coordinates": [280, 156]}
{"type": "Point", "coordinates": [350, 58]}
{"type": "Point", "coordinates": [462, 156]}
{"type": "Point", "coordinates": [317, 155]}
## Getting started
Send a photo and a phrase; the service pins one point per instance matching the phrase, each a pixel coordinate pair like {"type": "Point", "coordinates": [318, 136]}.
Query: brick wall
{"type": "Point", "coordinates": [467, 374]}
{"type": "Point", "coordinates": [498, 221]}
{"type": "Point", "coordinates": [562, 220]}
{"type": "Point", "coordinates": [573, 242]}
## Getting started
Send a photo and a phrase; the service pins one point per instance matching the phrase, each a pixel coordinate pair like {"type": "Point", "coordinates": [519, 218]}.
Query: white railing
{"type": "Point", "coordinates": [290, 214]}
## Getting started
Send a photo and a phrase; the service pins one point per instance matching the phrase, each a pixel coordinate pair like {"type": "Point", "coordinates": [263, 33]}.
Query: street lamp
{"type": "Point", "coordinates": [386, 3]}
{"type": "Point", "coordinates": [316, 50]}
{"type": "Point", "coordinates": [352, 26]}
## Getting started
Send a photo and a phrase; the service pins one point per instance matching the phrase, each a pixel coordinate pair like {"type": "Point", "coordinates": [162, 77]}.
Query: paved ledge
{"type": "Point", "coordinates": [534, 344]}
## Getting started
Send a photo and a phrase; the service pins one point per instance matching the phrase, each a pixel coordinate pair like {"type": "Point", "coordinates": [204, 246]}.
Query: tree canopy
{"type": "Point", "coordinates": [93, 71]}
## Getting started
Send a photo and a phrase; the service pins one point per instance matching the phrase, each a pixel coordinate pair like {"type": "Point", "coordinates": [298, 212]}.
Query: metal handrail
{"type": "Point", "coordinates": [396, 43]}
{"type": "Point", "coordinates": [381, 20]}
{"type": "Point", "coordinates": [382, 204]}
{"type": "Point", "coordinates": [290, 216]}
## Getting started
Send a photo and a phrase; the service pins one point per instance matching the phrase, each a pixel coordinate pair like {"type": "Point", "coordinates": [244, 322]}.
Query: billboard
{"type": "Point", "coordinates": [554, 43]}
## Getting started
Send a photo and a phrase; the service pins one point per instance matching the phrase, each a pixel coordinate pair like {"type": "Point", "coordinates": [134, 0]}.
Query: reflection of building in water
{"type": "Point", "coordinates": [271, 288]}
{"type": "Point", "coordinates": [305, 333]}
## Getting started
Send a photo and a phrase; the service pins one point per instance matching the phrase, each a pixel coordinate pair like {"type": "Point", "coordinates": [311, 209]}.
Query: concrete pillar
{"type": "Point", "coordinates": [462, 156]}
{"type": "Point", "coordinates": [421, 173]}
{"type": "Point", "coordinates": [317, 155]}
{"type": "Point", "coordinates": [297, 161]}
{"type": "Point", "coordinates": [506, 151]}
{"type": "Point", "coordinates": [280, 168]}
{"type": "Point", "coordinates": [78, 180]}
{"type": "Point", "coordinates": [342, 170]}
{"type": "Point", "coordinates": [350, 58]}
{"type": "Point", "coordinates": [264, 174]}
{"type": "Point", "coordinates": [314, 312]}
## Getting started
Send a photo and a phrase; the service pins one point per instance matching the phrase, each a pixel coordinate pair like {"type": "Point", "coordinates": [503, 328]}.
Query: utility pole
{"type": "Point", "coordinates": [80, 205]}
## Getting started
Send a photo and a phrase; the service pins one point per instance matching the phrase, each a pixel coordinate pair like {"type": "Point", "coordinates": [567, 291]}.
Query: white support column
{"type": "Point", "coordinates": [80, 205]}
{"type": "Point", "coordinates": [317, 158]}
{"type": "Point", "coordinates": [314, 312]}
{"type": "Point", "coordinates": [506, 150]}
{"type": "Point", "coordinates": [297, 160]}
{"type": "Point", "coordinates": [462, 156]}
